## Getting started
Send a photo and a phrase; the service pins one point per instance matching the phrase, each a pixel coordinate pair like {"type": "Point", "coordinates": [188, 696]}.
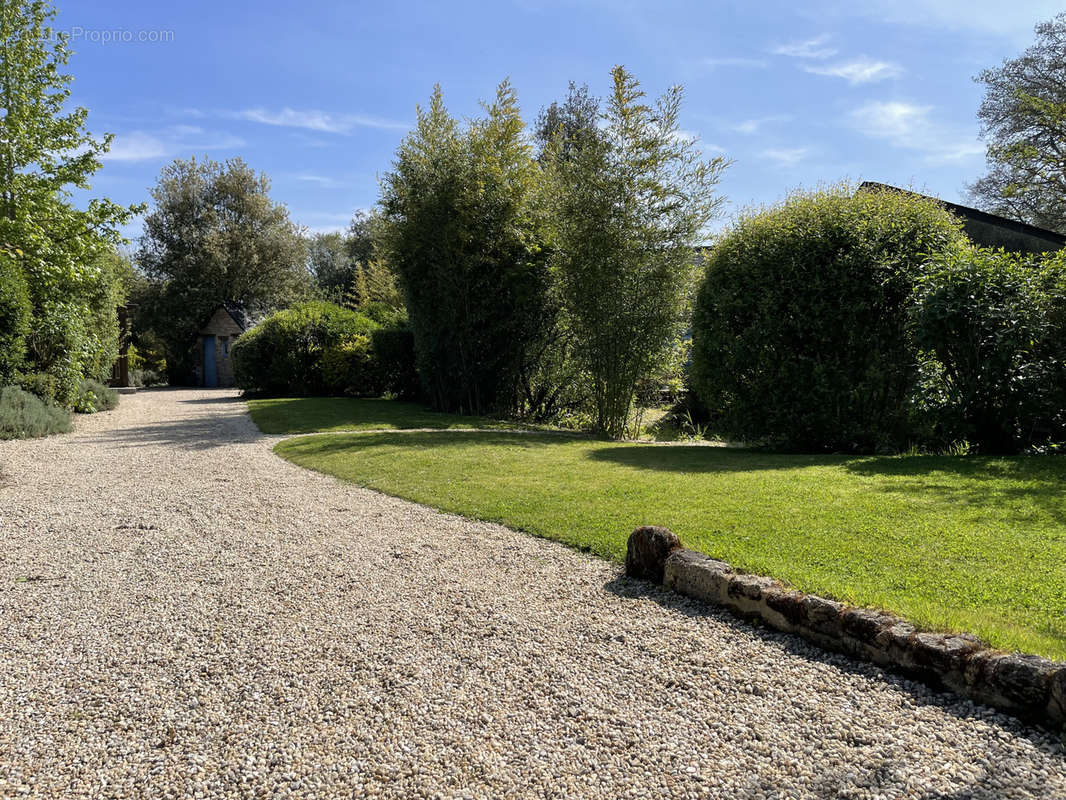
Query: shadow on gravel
{"type": "Point", "coordinates": [201, 433]}
{"type": "Point", "coordinates": [957, 706]}
{"type": "Point", "coordinates": [205, 401]}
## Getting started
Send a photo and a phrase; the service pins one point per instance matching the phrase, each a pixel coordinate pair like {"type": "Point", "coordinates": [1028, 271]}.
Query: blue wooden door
{"type": "Point", "coordinates": [210, 371]}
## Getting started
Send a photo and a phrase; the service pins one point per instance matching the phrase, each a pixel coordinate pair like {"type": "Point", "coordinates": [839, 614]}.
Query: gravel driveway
{"type": "Point", "coordinates": [184, 614]}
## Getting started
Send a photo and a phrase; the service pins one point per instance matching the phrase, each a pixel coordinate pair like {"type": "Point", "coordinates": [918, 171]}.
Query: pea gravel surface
{"type": "Point", "coordinates": [184, 614]}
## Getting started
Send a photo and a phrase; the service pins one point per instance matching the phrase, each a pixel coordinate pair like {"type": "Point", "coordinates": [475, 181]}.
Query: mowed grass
{"type": "Point", "coordinates": [311, 414]}
{"type": "Point", "coordinates": [965, 544]}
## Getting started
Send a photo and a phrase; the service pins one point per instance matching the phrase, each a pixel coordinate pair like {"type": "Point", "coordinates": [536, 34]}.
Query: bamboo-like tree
{"type": "Point", "coordinates": [629, 205]}
{"type": "Point", "coordinates": [463, 235]}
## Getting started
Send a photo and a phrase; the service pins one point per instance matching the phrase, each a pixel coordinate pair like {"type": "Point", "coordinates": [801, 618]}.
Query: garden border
{"type": "Point", "coordinates": [1026, 686]}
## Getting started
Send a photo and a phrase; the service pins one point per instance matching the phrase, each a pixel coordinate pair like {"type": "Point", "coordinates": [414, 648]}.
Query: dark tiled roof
{"type": "Point", "coordinates": [1054, 240]}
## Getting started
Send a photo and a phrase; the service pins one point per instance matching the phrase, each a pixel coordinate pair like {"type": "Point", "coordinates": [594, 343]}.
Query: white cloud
{"type": "Point", "coordinates": [810, 48]}
{"type": "Point", "coordinates": [753, 63]}
{"type": "Point", "coordinates": [753, 126]}
{"type": "Point", "coordinates": [861, 70]}
{"type": "Point", "coordinates": [315, 120]}
{"type": "Point", "coordinates": [136, 146]}
{"type": "Point", "coordinates": [320, 180]}
{"type": "Point", "coordinates": [169, 143]}
{"type": "Point", "coordinates": [912, 127]}
{"type": "Point", "coordinates": [785, 156]}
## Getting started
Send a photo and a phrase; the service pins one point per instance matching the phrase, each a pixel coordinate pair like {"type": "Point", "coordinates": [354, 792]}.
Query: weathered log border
{"type": "Point", "coordinates": [1025, 686]}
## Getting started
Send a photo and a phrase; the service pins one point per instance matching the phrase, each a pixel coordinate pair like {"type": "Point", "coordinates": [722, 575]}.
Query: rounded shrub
{"type": "Point", "coordinates": [15, 312]}
{"type": "Point", "coordinates": [799, 327]}
{"type": "Point", "coordinates": [312, 348]}
{"type": "Point", "coordinates": [24, 415]}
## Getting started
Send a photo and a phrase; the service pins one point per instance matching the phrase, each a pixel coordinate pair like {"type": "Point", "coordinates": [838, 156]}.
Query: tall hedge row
{"type": "Point", "coordinates": [800, 324]}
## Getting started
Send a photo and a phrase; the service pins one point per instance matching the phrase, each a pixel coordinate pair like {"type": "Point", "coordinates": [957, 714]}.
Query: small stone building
{"type": "Point", "coordinates": [214, 341]}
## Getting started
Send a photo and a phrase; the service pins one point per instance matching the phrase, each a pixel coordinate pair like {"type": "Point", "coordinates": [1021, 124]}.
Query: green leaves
{"type": "Point", "coordinates": [58, 248]}
{"type": "Point", "coordinates": [988, 326]}
{"type": "Point", "coordinates": [215, 236]}
{"type": "Point", "coordinates": [465, 235]}
{"type": "Point", "coordinates": [1023, 117]}
{"type": "Point", "coordinates": [629, 202]}
{"type": "Point", "coordinates": [799, 326]}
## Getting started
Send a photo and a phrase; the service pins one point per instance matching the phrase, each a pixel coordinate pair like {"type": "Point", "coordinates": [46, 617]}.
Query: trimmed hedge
{"type": "Point", "coordinates": [24, 415]}
{"type": "Point", "coordinates": [799, 329]}
{"type": "Point", "coordinates": [320, 348]}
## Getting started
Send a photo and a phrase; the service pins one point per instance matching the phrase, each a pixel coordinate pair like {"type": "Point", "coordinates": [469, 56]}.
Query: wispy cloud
{"type": "Point", "coordinates": [990, 17]}
{"type": "Point", "coordinates": [815, 48]}
{"type": "Point", "coordinates": [785, 156]}
{"type": "Point", "coordinates": [860, 70]}
{"type": "Point", "coordinates": [750, 127]}
{"type": "Point", "coordinates": [319, 180]}
{"type": "Point", "coordinates": [322, 121]}
{"type": "Point", "coordinates": [161, 145]}
{"type": "Point", "coordinates": [912, 127]}
{"type": "Point", "coordinates": [750, 63]}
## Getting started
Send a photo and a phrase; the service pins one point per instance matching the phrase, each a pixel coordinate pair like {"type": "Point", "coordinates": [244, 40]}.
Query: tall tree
{"type": "Point", "coordinates": [463, 234]}
{"type": "Point", "coordinates": [630, 204]}
{"type": "Point", "coordinates": [329, 264]}
{"type": "Point", "coordinates": [215, 236]}
{"type": "Point", "coordinates": [572, 121]}
{"type": "Point", "coordinates": [1023, 118]}
{"type": "Point", "coordinates": [45, 151]}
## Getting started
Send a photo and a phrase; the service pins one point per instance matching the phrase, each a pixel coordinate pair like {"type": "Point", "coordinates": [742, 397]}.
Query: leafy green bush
{"type": "Point", "coordinates": [93, 396]}
{"type": "Point", "coordinates": [14, 317]}
{"type": "Point", "coordinates": [799, 330]}
{"type": "Point", "coordinates": [24, 415]}
{"type": "Point", "coordinates": [42, 384]}
{"type": "Point", "coordinates": [312, 348]}
{"type": "Point", "coordinates": [988, 325]}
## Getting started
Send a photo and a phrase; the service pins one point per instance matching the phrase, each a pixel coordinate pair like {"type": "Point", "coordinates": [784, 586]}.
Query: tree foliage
{"type": "Point", "coordinates": [1023, 117]}
{"type": "Point", "coordinates": [989, 327]}
{"type": "Point", "coordinates": [629, 203]}
{"type": "Point", "coordinates": [319, 348]}
{"type": "Point", "coordinates": [60, 249]}
{"type": "Point", "coordinates": [800, 325]}
{"type": "Point", "coordinates": [214, 236]}
{"type": "Point", "coordinates": [463, 234]}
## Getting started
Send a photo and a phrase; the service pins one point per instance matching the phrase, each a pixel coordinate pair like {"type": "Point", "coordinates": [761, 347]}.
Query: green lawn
{"type": "Point", "coordinates": [975, 544]}
{"type": "Point", "coordinates": [311, 414]}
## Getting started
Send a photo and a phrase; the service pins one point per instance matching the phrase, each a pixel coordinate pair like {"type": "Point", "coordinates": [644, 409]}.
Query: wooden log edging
{"type": "Point", "coordinates": [1026, 686]}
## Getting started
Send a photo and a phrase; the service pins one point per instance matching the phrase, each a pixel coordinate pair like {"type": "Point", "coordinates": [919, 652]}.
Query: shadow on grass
{"type": "Point", "coordinates": [331, 443]}
{"type": "Point", "coordinates": [296, 415]}
{"type": "Point", "coordinates": [973, 480]}
{"type": "Point", "coordinates": [701, 458]}
{"type": "Point", "coordinates": [957, 706]}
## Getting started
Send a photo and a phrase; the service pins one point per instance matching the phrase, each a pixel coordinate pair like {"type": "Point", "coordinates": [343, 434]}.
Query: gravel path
{"type": "Point", "coordinates": [183, 614]}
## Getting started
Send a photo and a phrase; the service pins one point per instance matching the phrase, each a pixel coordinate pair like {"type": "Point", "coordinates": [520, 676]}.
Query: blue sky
{"type": "Point", "coordinates": [318, 94]}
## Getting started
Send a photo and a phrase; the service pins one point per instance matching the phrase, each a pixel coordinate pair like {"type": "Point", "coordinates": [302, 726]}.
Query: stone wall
{"type": "Point", "coordinates": [1026, 686]}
